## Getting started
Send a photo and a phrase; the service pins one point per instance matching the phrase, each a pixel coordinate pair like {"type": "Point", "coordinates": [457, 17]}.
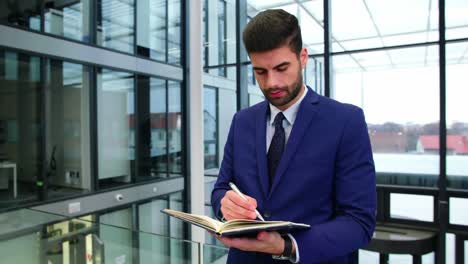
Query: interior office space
{"type": "Point", "coordinates": [111, 110]}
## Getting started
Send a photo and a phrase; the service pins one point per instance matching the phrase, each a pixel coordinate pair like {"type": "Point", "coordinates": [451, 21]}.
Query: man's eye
{"type": "Point", "coordinates": [282, 69]}
{"type": "Point", "coordinates": [259, 72]}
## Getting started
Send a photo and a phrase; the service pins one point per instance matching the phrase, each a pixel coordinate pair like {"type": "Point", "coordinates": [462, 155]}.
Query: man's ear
{"type": "Point", "coordinates": [303, 57]}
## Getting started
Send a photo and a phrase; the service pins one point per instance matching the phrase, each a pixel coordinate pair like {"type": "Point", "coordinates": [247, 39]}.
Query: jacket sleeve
{"type": "Point", "coordinates": [355, 198]}
{"type": "Point", "coordinates": [225, 173]}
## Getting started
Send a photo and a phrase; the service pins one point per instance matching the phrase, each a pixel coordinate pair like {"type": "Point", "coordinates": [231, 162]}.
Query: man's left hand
{"type": "Point", "coordinates": [266, 242]}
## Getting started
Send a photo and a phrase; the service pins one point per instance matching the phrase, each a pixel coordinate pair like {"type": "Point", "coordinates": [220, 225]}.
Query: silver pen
{"type": "Point", "coordinates": [234, 188]}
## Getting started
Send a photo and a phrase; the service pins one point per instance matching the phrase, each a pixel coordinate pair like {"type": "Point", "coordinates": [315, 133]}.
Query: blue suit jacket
{"type": "Point", "coordinates": [326, 178]}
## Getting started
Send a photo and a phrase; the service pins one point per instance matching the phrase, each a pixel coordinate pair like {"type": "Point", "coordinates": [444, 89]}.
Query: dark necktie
{"type": "Point", "coordinates": [276, 146]}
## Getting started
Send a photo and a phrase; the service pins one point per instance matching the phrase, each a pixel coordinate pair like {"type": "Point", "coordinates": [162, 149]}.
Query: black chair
{"type": "Point", "coordinates": [394, 239]}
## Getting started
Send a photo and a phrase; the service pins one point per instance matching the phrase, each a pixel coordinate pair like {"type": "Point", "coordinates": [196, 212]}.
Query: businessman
{"type": "Point", "coordinates": [297, 156]}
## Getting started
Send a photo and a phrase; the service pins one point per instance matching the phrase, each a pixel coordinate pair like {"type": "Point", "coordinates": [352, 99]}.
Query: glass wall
{"type": "Point", "coordinates": [115, 24]}
{"type": "Point", "coordinates": [457, 116]}
{"type": "Point", "coordinates": [159, 30]}
{"type": "Point", "coordinates": [116, 147]}
{"type": "Point", "coordinates": [21, 119]}
{"type": "Point", "coordinates": [403, 140]}
{"type": "Point", "coordinates": [219, 37]}
{"type": "Point", "coordinates": [70, 19]}
{"type": "Point", "coordinates": [22, 13]}
{"type": "Point", "coordinates": [67, 128]}
{"type": "Point", "coordinates": [174, 128]}
{"type": "Point", "coordinates": [158, 121]}
{"type": "Point", "coordinates": [374, 23]}
{"type": "Point", "coordinates": [210, 125]}
{"type": "Point", "coordinates": [44, 128]}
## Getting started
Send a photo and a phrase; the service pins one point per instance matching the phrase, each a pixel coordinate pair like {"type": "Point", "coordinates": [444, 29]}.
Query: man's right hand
{"type": "Point", "coordinates": [235, 207]}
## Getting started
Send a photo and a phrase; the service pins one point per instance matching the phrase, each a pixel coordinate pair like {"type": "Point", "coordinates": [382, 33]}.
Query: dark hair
{"type": "Point", "coordinates": [271, 29]}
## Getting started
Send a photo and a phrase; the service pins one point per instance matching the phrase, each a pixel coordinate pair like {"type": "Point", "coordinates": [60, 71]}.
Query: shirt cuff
{"type": "Point", "coordinates": [294, 259]}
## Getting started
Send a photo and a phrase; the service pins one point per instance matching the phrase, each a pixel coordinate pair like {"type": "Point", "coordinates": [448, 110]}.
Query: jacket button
{"type": "Point", "coordinates": [267, 214]}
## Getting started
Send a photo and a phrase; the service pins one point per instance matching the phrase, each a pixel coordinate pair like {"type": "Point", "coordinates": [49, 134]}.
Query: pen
{"type": "Point", "coordinates": [234, 188]}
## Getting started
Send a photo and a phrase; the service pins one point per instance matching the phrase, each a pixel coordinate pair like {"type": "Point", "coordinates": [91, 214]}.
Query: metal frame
{"type": "Point", "coordinates": [147, 67]}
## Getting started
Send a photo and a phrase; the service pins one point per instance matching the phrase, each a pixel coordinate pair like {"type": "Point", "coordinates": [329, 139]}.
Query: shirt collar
{"type": "Point", "coordinates": [290, 113]}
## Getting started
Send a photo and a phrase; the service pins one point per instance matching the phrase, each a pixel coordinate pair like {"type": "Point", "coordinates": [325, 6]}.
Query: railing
{"type": "Point", "coordinates": [29, 236]}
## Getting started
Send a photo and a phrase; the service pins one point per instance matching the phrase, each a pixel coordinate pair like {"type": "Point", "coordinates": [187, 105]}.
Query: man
{"type": "Point", "coordinates": [297, 156]}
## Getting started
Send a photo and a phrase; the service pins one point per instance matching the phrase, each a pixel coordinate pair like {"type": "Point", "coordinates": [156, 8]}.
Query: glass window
{"type": "Point", "coordinates": [159, 30]}
{"type": "Point", "coordinates": [158, 121]}
{"type": "Point", "coordinates": [67, 122]}
{"type": "Point", "coordinates": [412, 207]}
{"type": "Point", "coordinates": [457, 115]}
{"type": "Point", "coordinates": [210, 125]}
{"type": "Point", "coordinates": [22, 13]}
{"type": "Point", "coordinates": [152, 28]}
{"type": "Point", "coordinates": [220, 36]}
{"type": "Point", "coordinates": [174, 34]}
{"type": "Point", "coordinates": [399, 93]}
{"type": "Point", "coordinates": [118, 242]}
{"type": "Point", "coordinates": [457, 210]}
{"type": "Point", "coordinates": [21, 120]}
{"type": "Point", "coordinates": [70, 19]}
{"type": "Point", "coordinates": [174, 127]}
{"type": "Point", "coordinates": [116, 145]}
{"type": "Point", "coordinates": [160, 249]}
{"type": "Point", "coordinates": [373, 23]}
{"type": "Point", "coordinates": [115, 24]}
{"type": "Point", "coordinates": [456, 20]}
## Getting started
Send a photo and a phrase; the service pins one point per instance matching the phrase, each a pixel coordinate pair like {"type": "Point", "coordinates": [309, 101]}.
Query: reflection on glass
{"type": "Point", "coordinates": [457, 115]}
{"type": "Point", "coordinates": [174, 32]}
{"type": "Point", "coordinates": [159, 30]}
{"type": "Point", "coordinates": [222, 36]}
{"type": "Point", "coordinates": [115, 24]}
{"type": "Point", "coordinates": [158, 123]}
{"type": "Point", "coordinates": [219, 36]}
{"type": "Point", "coordinates": [21, 13]}
{"type": "Point", "coordinates": [404, 141]}
{"type": "Point", "coordinates": [92, 239]}
{"type": "Point", "coordinates": [161, 248]}
{"type": "Point", "coordinates": [214, 254]}
{"type": "Point", "coordinates": [151, 33]}
{"type": "Point", "coordinates": [68, 18]}
{"type": "Point", "coordinates": [68, 151]}
{"type": "Point", "coordinates": [174, 127]}
{"type": "Point", "coordinates": [116, 145]}
{"type": "Point", "coordinates": [20, 127]}
{"type": "Point", "coordinates": [210, 123]}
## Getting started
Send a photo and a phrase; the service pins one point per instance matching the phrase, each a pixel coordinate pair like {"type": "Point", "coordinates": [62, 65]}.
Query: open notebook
{"type": "Point", "coordinates": [237, 227]}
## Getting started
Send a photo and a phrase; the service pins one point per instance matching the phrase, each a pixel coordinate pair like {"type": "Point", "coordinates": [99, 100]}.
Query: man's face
{"type": "Point", "coordinates": [279, 74]}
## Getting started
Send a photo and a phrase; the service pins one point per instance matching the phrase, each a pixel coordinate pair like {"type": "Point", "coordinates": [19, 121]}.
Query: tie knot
{"type": "Point", "coordinates": [279, 119]}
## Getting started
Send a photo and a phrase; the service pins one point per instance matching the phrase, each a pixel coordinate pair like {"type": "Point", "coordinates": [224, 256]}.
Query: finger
{"type": "Point", "coordinates": [232, 214]}
{"type": "Point", "coordinates": [238, 213]}
{"type": "Point", "coordinates": [252, 201]}
{"type": "Point", "coordinates": [229, 206]}
{"type": "Point", "coordinates": [246, 204]}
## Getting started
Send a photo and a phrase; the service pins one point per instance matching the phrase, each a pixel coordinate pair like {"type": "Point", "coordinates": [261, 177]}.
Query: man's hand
{"type": "Point", "coordinates": [266, 242]}
{"type": "Point", "coordinates": [234, 207]}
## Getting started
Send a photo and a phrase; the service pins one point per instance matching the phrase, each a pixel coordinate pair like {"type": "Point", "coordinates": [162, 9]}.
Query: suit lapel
{"type": "Point", "coordinates": [260, 131]}
{"type": "Point", "coordinates": [306, 113]}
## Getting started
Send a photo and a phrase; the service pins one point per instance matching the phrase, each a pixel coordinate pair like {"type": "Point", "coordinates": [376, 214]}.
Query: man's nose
{"type": "Point", "coordinates": [273, 80]}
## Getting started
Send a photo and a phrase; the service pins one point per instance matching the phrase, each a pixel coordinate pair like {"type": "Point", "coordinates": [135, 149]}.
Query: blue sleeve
{"type": "Point", "coordinates": [355, 198]}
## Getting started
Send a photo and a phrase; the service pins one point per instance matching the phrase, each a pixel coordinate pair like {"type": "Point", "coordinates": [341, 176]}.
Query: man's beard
{"type": "Point", "coordinates": [289, 95]}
